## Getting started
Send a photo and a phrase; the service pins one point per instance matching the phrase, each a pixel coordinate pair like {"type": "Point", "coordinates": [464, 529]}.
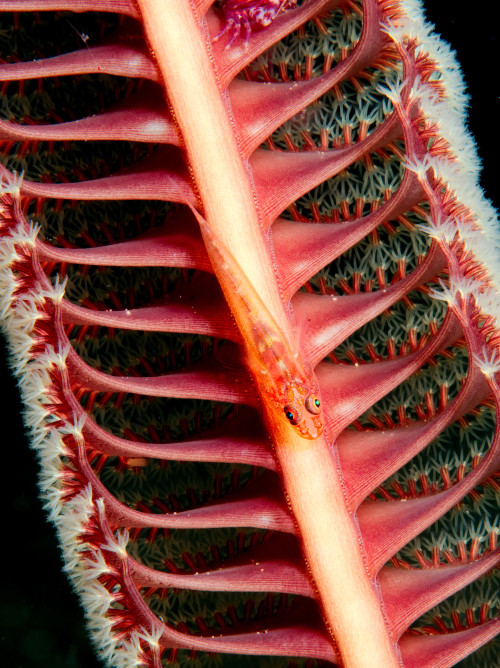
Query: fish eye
{"type": "Point", "coordinates": [292, 413]}
{"type": "Point", "coordinates": [313, 404]}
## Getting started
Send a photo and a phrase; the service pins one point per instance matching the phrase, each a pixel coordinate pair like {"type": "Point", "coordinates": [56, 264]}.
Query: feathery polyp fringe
{"type": "Point", "coordinates": [26, 299]}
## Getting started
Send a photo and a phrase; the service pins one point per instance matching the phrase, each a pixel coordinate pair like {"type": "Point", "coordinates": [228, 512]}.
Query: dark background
{"type": "Point", "coordinates": [40, 619]}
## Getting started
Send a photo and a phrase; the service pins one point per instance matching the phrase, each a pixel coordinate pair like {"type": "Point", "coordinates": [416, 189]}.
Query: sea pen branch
{"type": "Point", "coordinates": [328, 533]}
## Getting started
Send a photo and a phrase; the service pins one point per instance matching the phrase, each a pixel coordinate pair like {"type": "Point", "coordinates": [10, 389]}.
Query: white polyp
{"type": "Point", "coordinates": [151, 636]}
{"type": "Point", "coordinates": [130, 654]}
{"type": "Point", "coordinates": [21, 235]}
{"type": "Point", "coordinates": [96, 566]}
{"type": "Point", "coordinates": [12, 186]}
{"type": "Point", "coordinates": [56, 292]}
{"type": "Point", "coordinates": [419, 167]}
{"type": "Point", "coordinates": [450, 124]}
{"type": "Point", "coordinates": [49, 358]}
{"type": "Point", "coordinates": [96, 597]}
{"type": "Point", "coordinates": [74, 428]}
{"type": "Point", "coordinates": [443, 294]}
{"type": "Point", "coordinates": [488, 362]}
{"type": "Point", "coordinates": [8, 253]}
{"type": "Point", "coordinates": [118, 546]}
{"type": "Point", "coordinates": [465, 286]}
{"type": "Point", "coordinates": [444, 232]}
{"type": "Point", "coordinates": [392, 90]}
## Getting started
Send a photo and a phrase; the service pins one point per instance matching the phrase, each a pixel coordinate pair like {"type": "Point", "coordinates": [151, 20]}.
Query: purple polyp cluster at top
{"type": "Point", "coordinates": [247, 14]}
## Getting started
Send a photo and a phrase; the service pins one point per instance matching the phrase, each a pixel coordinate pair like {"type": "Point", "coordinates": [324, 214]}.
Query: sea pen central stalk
{"type": "Point", "coordinates": [311, 481]}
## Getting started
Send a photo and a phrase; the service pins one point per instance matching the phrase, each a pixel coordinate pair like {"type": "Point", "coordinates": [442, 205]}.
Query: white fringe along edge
{"type": "Point", "coordinates": [19, 314]}
{"type": "Point", "coordinates": [480, 233]}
